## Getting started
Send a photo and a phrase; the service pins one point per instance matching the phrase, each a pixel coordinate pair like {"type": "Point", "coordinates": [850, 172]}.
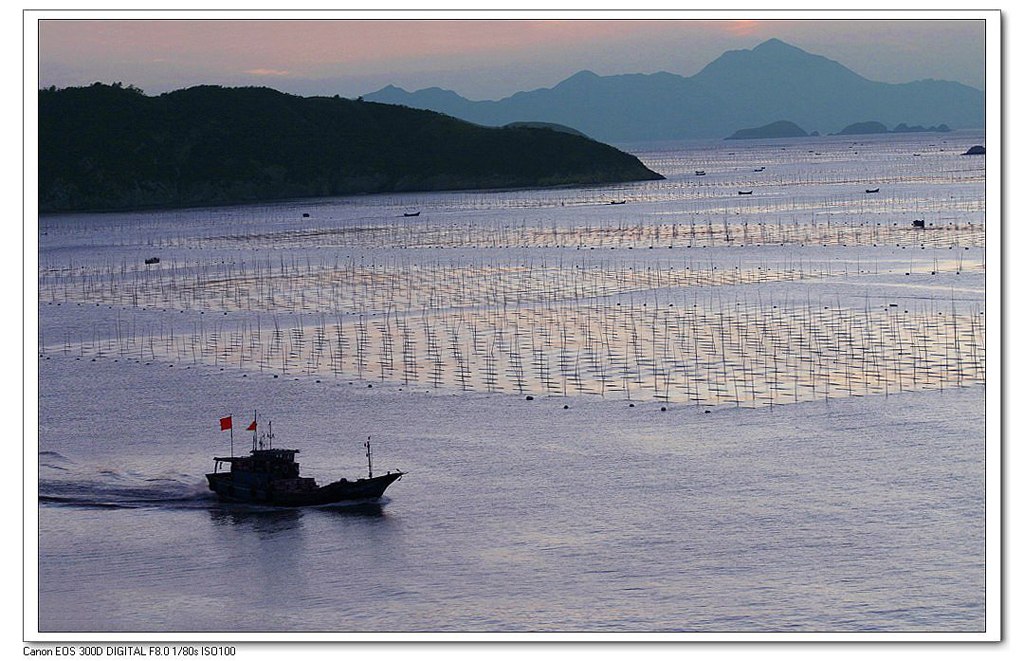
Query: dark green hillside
{"type": "Point", "coordinates": [108, 147]}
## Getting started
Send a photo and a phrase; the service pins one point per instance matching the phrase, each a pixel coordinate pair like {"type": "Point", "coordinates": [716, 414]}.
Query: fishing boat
{"type": "Point", "coordinates": [746, 192]}
{"type": "Point", "coordinates": [270, 476]}
{"type": "Point", "coordinates": [870, 190]}
{"type": "Point", "coordinates": [411, 214]}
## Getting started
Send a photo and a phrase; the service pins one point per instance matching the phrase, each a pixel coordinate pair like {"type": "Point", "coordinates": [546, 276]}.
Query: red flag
{"type": "Point", "coordinates": [225, 423]}
{"type": "Point", "coordinates": [251, 427]}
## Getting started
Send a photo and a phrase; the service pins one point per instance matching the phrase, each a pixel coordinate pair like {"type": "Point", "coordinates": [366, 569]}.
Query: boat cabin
{"type": "Point", "coordinates": [275, 462]}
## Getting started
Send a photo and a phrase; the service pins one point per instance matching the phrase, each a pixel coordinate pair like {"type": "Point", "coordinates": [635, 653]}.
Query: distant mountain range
{"type": "Point", "coordinates": [742, 88]}
{"type": "Point", "coordinates": [110, 147]}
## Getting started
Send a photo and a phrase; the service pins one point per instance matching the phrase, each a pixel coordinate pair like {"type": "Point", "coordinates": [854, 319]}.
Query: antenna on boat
{"type": "Point", "coordinates": [270, 434]}
{"type": "Point", "coordinates": [369, 457]}
{"type": "Point", "coordinates": [254, 432]}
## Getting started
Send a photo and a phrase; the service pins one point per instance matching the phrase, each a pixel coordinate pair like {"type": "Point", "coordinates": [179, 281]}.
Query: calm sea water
{"type": "Point", "coordinates": [849, 515]}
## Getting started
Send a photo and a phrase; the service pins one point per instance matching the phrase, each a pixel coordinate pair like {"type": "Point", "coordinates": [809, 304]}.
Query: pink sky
{"type": "Point", "coordinates": [477, 58]}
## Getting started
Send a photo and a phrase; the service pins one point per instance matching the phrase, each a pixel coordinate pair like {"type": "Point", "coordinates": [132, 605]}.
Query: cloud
{"type": "Point", "coordinates": [267, 72]}
{"type": "Point", "coordinates": [742, 28]}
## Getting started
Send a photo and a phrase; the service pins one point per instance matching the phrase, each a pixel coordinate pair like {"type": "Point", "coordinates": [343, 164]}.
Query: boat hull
{"type": "Point", "coordinates": [232, 490]}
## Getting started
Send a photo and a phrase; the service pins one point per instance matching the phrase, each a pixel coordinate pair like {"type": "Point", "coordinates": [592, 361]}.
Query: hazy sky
{"type": "Point", "coordinates": [479, 59]}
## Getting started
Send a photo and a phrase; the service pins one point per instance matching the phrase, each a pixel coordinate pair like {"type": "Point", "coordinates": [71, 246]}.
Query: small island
{"type": "Point", "coordinates": [875, 128]}
{"type": "Point", "coordinates": [903, 128]}
{"type": "Point", "coordinates": [780, 129]}
{"type": "Point", "coordinates": [108, 147]}
{"type": "Point", "coordinates": [864, 128]}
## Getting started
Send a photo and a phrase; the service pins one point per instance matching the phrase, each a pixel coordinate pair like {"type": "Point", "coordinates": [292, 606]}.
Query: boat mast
{"type": "Point", "coordinates": [369, 457]}
{"type": "Point", "coordinates": [254, 432]}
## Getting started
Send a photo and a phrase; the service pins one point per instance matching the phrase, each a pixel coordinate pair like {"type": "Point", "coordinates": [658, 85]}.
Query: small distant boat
{"type": "Point", "coordinates": [870, 190]}
{"type": "Point", "coordinates": [760, 169]}
{"type": "Point", "coordinates": [412, 214]}
{"type": "Point", "coordinates": [617, 202]}
{"type": "Point", "coordinates": [746, 192]}
{"type": "Point", "coordinates": [305, 215]}
{"type": "Point", "coordinates": [270, 476]}
{"type": "Point", "coordinates": [918, 223]}
{"type": "Point", "coordinates": [699, 173]}
{"type": "Point", "coordinates": [152, 260]}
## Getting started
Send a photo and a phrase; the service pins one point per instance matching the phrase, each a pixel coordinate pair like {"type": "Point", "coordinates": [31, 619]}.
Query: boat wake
{"type": "Point", "coordinates": [63, 482]}
{"type": "Point", "coordinates": [118, 499]}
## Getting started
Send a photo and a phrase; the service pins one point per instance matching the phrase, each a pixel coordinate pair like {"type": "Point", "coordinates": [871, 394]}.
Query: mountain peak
{"type": "Point", "coordinates": [774, 45]}
{"type": "Point", "coordinates": [768, 59]}
{"type": "Point", "coordinates": [584, 76]}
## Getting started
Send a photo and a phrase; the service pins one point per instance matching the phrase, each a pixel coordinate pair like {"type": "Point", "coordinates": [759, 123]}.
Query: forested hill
{"type": "Point", "coordinates": [110, 147]}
